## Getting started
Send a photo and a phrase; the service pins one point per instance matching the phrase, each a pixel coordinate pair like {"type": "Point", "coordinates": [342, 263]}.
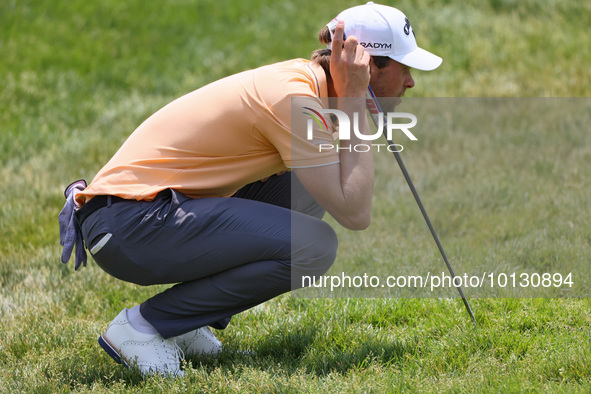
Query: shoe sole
{"type": "Point", "coordinates": [111, 352]}
{"type": "Point", "coordinates": [115, 355]}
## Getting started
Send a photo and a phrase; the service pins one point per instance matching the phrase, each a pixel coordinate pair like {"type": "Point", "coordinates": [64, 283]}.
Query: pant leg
{"type": "Point", "coordinates": [228, 254]}
{"type": "Point", "coordinates": [213, 299]}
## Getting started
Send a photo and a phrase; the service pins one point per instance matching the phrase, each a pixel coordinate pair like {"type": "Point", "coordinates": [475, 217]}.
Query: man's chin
{"type": "Point", "coordinates": [389, 104]}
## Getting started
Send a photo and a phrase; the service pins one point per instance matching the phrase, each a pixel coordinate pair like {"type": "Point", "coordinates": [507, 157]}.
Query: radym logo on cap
{"type": "Point", "coordinates": [376, 45]}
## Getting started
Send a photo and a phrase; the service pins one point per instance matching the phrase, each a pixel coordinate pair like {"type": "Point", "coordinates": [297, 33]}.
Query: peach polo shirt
{"type": "Point", "coordinates": [221, 137]}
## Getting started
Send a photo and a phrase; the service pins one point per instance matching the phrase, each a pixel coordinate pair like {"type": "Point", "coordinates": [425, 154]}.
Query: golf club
{"type": "Point", "coordinates": [375, 110]}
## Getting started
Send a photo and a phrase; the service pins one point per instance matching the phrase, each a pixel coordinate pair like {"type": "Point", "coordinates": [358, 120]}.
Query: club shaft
{"type": "Point", "coordinates": [375, 111]}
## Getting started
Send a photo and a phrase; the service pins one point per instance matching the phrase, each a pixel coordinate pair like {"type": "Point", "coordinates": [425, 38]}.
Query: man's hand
{"type": "Point", "coordinates": [345, 189]}
{"type": "Point", "coordinates": [349, 65]}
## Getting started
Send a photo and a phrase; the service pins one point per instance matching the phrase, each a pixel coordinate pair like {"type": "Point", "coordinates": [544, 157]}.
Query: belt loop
{"type": "Point", "coordinates": [109, 201]}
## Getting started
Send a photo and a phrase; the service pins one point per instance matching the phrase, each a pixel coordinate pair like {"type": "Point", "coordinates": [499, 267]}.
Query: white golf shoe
{"type": "Point", "coordinates": [198, 342]}
{"type": "Point", "coordinates": [151, 353]}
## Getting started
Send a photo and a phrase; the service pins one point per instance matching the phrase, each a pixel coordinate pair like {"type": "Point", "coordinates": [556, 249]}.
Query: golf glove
{"type": "Point", "coordinates": [70, 233]}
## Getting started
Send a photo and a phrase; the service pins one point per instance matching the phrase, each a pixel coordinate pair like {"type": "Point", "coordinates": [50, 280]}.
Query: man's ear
{"type": "Point", "coordinates": [372, 65]}
{"type": "Point", "coordinates": [373, 69]}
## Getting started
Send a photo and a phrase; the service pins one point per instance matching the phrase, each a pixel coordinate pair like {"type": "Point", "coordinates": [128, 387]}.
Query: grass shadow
{"type": "Point", "coordinates": [308, 351]}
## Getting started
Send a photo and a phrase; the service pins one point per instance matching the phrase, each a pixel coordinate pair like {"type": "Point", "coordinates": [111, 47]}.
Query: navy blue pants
{"type": "Point", "coordinates": [223, 255]}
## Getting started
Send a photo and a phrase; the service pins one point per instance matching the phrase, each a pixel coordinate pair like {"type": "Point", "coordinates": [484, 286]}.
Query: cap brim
{"type": "Point", "coordinates": [419, 59]}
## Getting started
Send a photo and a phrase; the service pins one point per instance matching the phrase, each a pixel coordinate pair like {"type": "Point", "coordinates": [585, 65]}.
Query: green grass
{"type": "Point", "coordinates": [504, 194]}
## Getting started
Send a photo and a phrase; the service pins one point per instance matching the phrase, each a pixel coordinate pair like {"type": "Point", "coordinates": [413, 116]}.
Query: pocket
{"type": "Point", "coordinates": [99, 242]}
{"type": "Point", "coordinates": [163, 206]}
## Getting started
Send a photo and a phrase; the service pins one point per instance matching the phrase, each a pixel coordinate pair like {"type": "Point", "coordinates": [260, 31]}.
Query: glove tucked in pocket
{"type": "Point", "coordinates": [70, 233]}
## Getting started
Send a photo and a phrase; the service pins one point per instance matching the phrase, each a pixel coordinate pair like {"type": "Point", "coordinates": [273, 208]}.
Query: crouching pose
{"type": "Point", "coordinates": [220, 195]}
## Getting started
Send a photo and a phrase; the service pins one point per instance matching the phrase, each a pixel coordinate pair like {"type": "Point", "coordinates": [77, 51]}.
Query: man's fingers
{"type": "Point", "coordinates": [337, 40]}
{"type": "Point", "coordinates": [349, 64]}
{"type": "Point", "coordinates": [362, 55]}
{"type": "Point", "coordinates": [351, 47]}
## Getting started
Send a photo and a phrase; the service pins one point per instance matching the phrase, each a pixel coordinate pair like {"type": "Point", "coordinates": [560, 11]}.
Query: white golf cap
{"type": "Point", "coordinates": [385, 31]}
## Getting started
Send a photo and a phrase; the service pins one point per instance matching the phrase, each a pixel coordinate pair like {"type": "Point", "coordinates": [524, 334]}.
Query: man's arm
{"type": "Point", "coordinates": [345, 189]}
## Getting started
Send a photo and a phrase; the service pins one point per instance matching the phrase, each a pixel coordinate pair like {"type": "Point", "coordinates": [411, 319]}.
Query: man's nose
{"type": "Point", "coordinates": [410, 82]}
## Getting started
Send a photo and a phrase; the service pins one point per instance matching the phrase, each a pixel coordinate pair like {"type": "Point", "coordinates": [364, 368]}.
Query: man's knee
{"type": "Point", "coordinates": [315, 249]}
{"type": "Point", "coordinates": [329, 246]}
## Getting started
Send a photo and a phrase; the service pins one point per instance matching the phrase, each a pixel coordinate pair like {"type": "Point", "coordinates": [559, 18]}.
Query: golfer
{"type": "Point", "coordinates": [219, 194]}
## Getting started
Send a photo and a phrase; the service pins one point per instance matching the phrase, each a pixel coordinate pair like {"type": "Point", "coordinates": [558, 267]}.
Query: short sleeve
{"type": "Point", "coordinates": [302, 135]}
{"type": "Point", "coordinates": [291, 118]}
